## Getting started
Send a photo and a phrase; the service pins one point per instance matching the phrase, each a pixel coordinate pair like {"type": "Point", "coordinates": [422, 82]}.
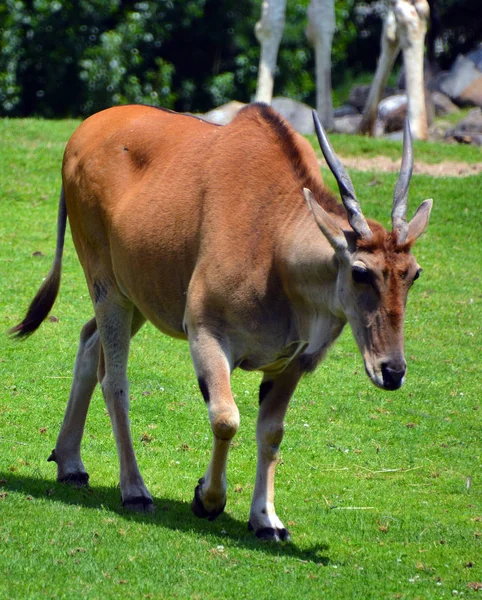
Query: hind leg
{"type": "Point", "coordinates": [67, 449]}
{"type": "Point", "coordinates": [116, 320]}
{"type": "Point", "coordinates": [70, 468]}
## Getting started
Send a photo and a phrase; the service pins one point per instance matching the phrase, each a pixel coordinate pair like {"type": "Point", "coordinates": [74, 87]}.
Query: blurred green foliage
{"type": "Point", "coordinates": [74, 57]}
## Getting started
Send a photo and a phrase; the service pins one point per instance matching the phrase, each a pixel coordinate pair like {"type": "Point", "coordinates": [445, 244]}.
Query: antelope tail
{"type": "Point", "coordinates": [45, 297]}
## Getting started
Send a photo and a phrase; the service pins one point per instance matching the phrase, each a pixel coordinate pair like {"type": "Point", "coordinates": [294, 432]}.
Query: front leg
{"type": "Point", "coordinates": [274, 396]}
{"type": "Point", "coordinates": [213, 371]}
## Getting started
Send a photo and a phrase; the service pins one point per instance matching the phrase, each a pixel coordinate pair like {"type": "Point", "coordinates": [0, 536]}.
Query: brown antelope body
{"type": "Point", "coordinates": [226, 237]}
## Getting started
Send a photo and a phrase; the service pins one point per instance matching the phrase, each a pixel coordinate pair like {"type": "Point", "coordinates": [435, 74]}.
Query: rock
{"type": "Point", "coordinates": [474, 139]}
{"type": "Point", "coordinates": [476, 57]}
{"type": "Point", "coordinates": [388, 105]}
{"type": "Point", "coordinates": [347, 124]}
{"type": "Point", "coordinates": [224, 114]}
{"type": "Point", "coordinates": [345, 111]}
{"type": "Point", "coordinates": [461, 76]}
{"type": "Point", "coordinates": [391, 114]}
{"type": "Point", "coordinates": [472, 122]}
{"type": "Point", "coordinates": [443, 105]}
{"type": "Point", "coordinates": [472, 95]}
{"type": "Point", "coordinates": [435, 84]}
{"type": "Point", "coordinates": [359, 95]}
{"type": "Point", "coordinates": [468, 130]}
{"type": "Point", "coordinates": [395, 120]}
{"type": "Point", "coordinates": [296, 113]}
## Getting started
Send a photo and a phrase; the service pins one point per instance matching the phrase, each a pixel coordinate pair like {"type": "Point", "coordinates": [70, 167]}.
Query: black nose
{"type": "Point", "coordinates": [393, 375]}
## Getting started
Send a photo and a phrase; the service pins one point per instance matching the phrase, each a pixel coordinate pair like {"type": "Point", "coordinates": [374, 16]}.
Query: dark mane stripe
{"type": "Point", "coordinates": [287, 140]}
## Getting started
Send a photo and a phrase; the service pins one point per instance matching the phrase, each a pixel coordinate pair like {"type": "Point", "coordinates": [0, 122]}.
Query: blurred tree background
{"type": "Point", "coordinates": [74, 57]}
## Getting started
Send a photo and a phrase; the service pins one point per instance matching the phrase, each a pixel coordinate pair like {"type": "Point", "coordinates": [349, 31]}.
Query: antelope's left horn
{"type": "Point", "coordinates": [400, 196]}
{"type": "Point", "coordinates": [347, 192]}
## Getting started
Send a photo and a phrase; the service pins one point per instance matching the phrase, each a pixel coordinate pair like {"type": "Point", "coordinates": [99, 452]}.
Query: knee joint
{"type": "Point", "coordinates": [274, 435]}
{"type": "Point", "coordinates": [225, 426]}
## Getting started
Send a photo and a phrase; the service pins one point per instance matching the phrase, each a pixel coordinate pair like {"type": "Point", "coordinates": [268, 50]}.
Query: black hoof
{"type": "Point", "coordinates": [140, 504]}
{"type": "Point", "coordinates": [75, 479]}
{"type": "Point", "coordinates": [52, 457]}
{"type": "Point", "coordinates": [271, 534]}
{"type": "Point", "coordinates": [198, 508]}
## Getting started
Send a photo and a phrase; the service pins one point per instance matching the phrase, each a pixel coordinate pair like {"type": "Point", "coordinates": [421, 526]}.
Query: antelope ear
{"type": "Point", "coordinates": [419, 222]}
{"type": "Point", "coordinates": [329, 227]}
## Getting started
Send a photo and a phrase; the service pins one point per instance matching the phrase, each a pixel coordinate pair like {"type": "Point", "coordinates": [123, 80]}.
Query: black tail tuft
{"type": "Point", "coordinates": [40, 305]}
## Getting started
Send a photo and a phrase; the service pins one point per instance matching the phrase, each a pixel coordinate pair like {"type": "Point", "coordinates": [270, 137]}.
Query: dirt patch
{"type": "Point", "coordinates": [387, 165]}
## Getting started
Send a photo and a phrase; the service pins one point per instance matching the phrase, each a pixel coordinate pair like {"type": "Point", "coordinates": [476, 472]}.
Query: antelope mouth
{"type": "Point", "coordinates": [387, 378]}
{"type": "Point", "coordinates": [391, 386]}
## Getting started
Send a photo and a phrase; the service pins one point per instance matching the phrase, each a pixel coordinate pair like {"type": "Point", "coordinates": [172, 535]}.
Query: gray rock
{"type": "Point", "coordinates": [472, 95]}
{"type": "Point", "coordinates": [359, 94]}
{"type": "Point", "coordinates": [388, 105]}
{"type": "Point", "coordinates": [296, 113]}
{"type": "Point", "coordinates": [345, 111]}
{"type": "Point", "coordinates": [469, 129]}
{"type": "Point", "coordinates": [474, 139]}
{"type": "Point", "coordinates": [435, 84]}
{"type": "Point", "coordinates": [347, 124]}
{"type": "Point", "coordinates": [443, 105]}
{"type": "Point", "coordinates": [472, 122]}
{"type": "Point", "coordinates": [222, 115]}
{"type": "Point", "coordinates": [395, 120]}
{"type": "Point", "coordinates": [462, 74]}
{"type": "Point", "coordinates": [391, 114]}
{"type": "Point", "coordinates": [476, 57]}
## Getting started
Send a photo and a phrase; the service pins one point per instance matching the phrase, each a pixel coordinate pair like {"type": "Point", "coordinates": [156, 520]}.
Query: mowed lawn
{"type": "Point", "coordinates": [381, 490]}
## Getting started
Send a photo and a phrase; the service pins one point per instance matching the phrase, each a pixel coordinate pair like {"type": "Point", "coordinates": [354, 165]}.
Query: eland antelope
{"type": "Point", "coordinates": [226, 237]}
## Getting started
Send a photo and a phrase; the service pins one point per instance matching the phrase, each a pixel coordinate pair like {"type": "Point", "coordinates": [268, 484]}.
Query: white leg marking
{"type": "Point", "coordinates": [274, 398]}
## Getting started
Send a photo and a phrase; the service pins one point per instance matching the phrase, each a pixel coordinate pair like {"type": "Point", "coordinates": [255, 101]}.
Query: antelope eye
{"type": "Point", "coordinates": [361, 275]}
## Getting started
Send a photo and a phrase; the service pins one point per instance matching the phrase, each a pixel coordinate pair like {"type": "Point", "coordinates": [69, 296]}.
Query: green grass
{"type": "Point", "coordinates": [428, 152]}
{"type": "Point", "coordinates": [372, 485]}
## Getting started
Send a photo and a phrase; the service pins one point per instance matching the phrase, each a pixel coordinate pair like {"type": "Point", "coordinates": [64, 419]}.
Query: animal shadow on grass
{"type": "Point", "coordinates": [173, 514]}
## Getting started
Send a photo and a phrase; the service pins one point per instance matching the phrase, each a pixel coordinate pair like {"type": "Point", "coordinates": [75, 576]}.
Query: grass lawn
{"type": "Point", "coordinates": [382, 491]}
